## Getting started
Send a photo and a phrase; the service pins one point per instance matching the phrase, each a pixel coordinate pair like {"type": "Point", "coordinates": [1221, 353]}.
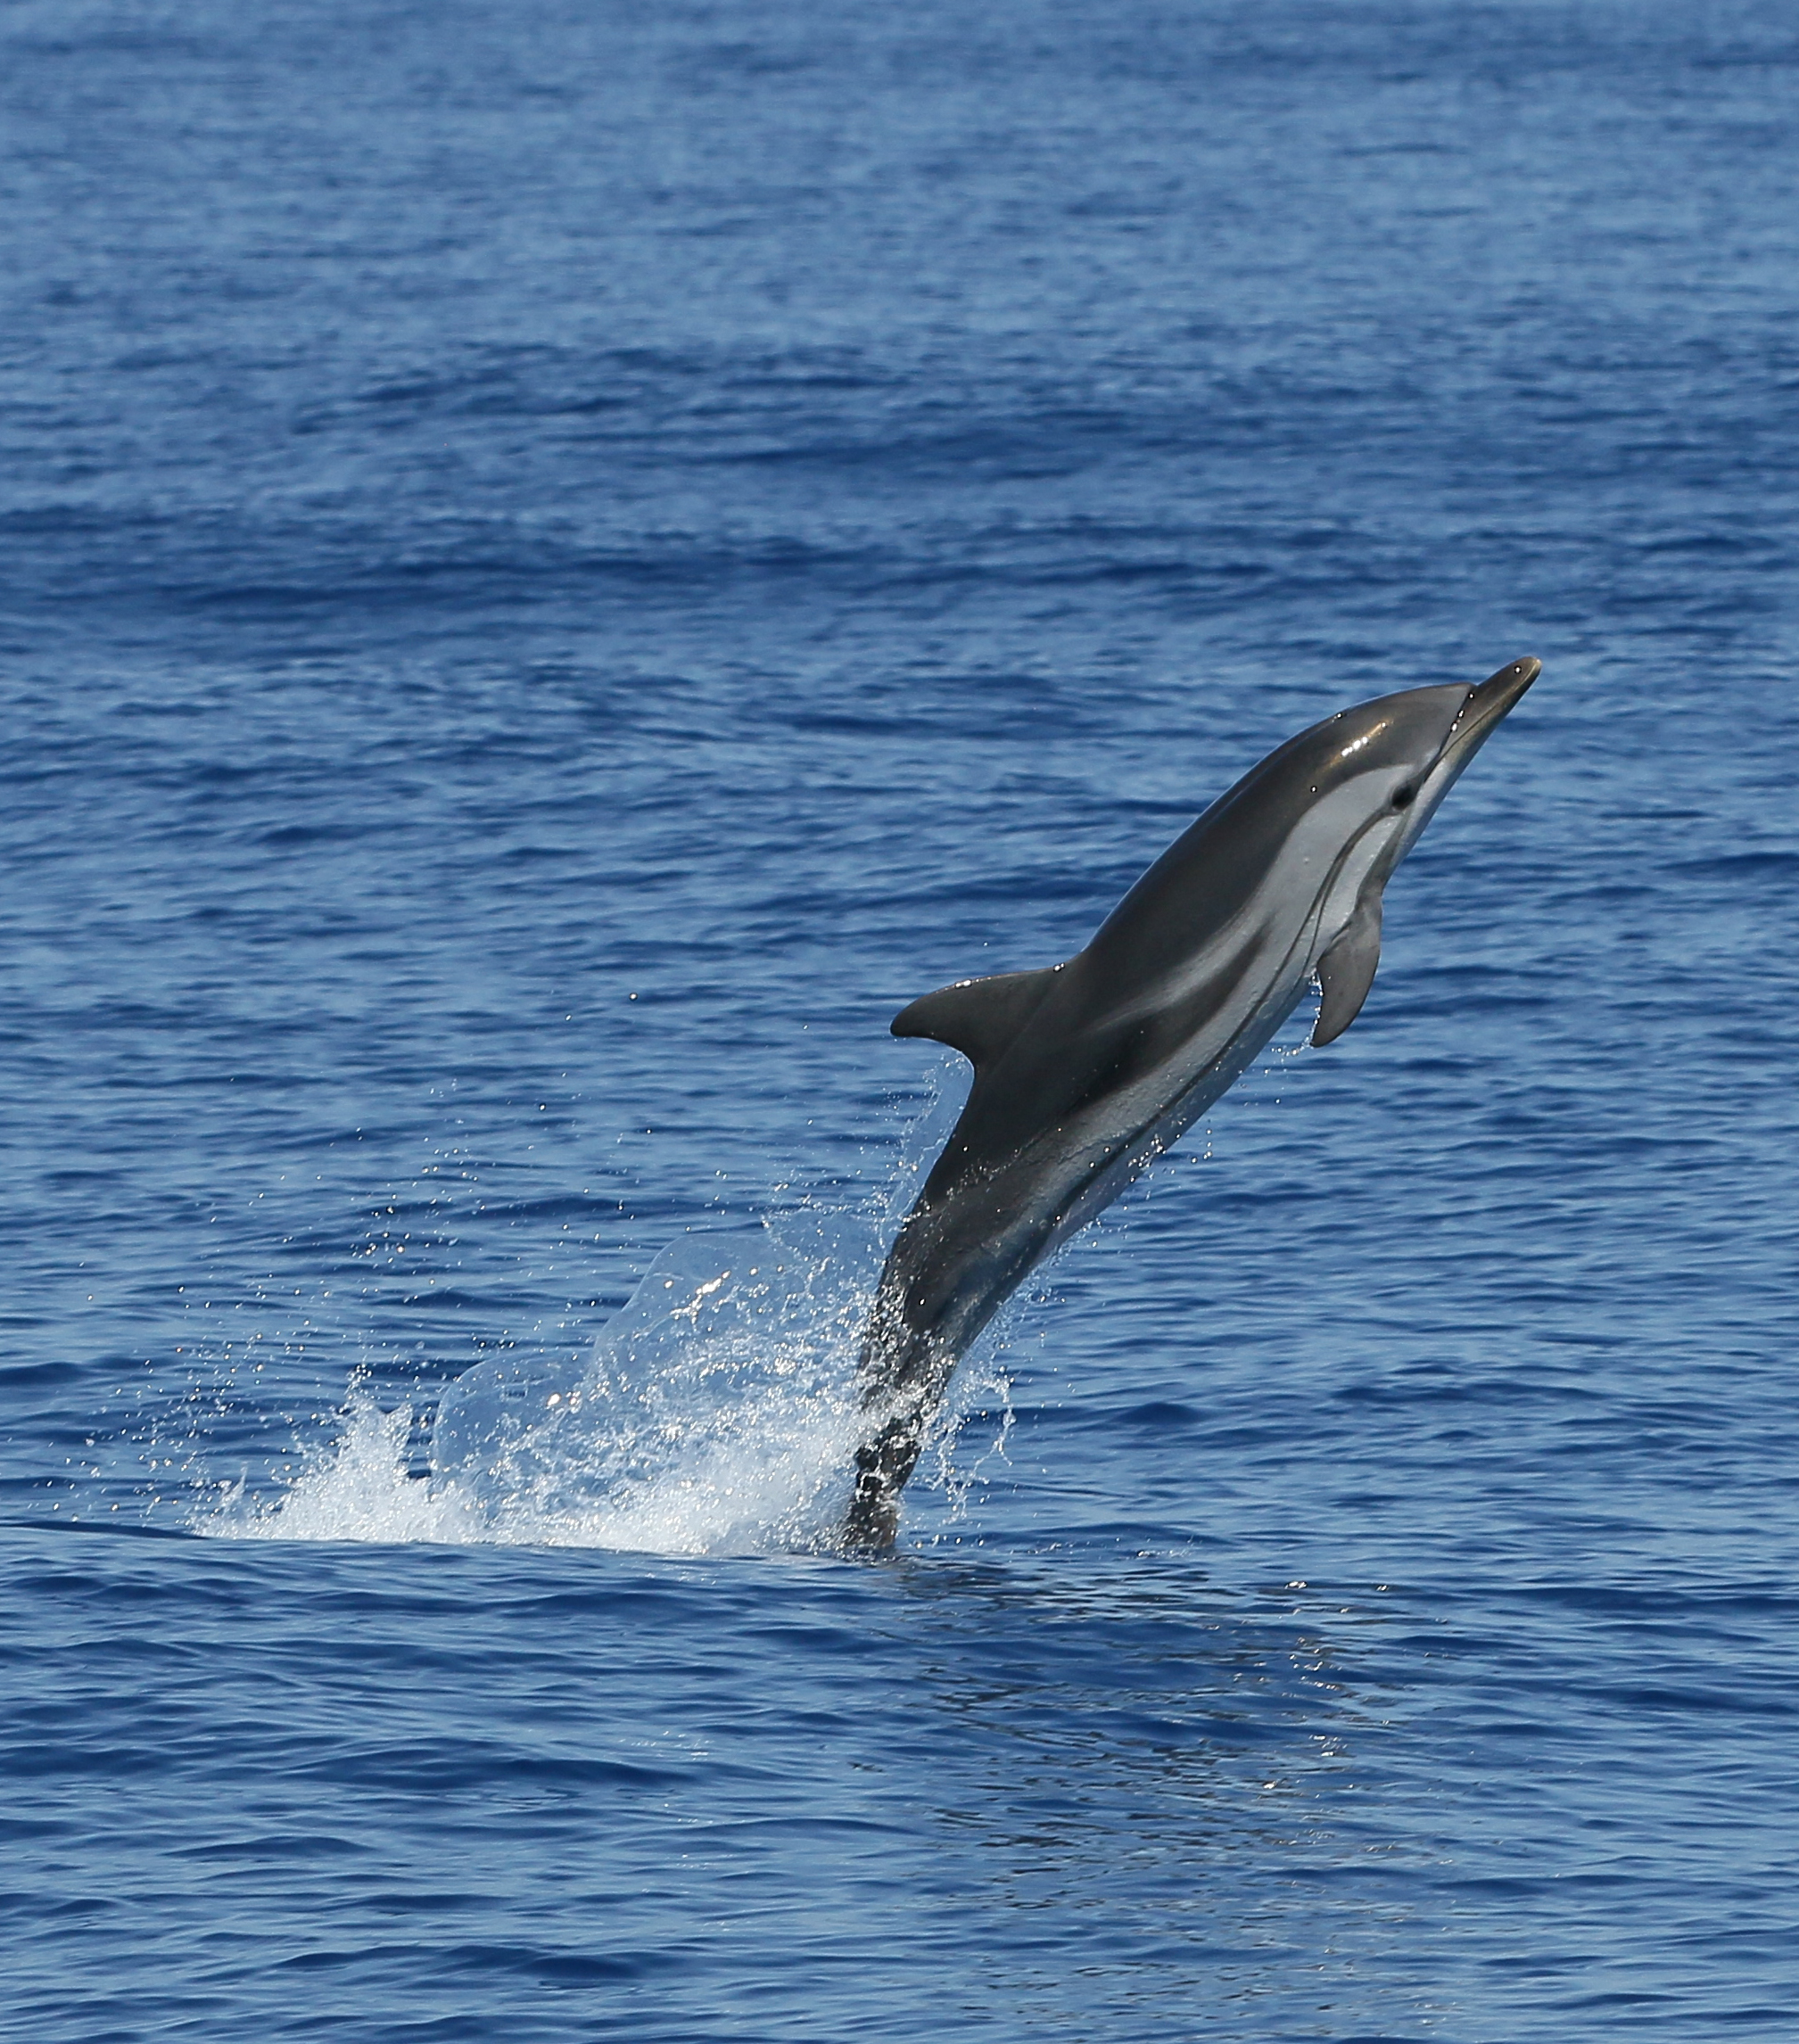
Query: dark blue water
{"type": "Point", "coordinates": [561, 561]}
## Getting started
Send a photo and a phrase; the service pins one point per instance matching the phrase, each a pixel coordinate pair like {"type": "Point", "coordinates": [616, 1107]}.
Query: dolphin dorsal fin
{"type": "Point", "coordinates": [979, 1018]}
{"type": "Point", "coordinates": [1347, 970]}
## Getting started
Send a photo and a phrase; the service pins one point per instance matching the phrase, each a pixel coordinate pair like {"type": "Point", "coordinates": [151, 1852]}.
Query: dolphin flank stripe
{"type": "Point", "coordinates": [1085, 1072]}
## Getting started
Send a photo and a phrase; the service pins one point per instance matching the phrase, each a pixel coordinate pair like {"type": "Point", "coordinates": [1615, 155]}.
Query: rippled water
{"type": "Point", "coordinates": [561, 562]}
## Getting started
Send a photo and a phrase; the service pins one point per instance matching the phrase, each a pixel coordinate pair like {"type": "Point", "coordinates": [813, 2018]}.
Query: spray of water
{"type": "Point", "coordinates": [717, 1411]}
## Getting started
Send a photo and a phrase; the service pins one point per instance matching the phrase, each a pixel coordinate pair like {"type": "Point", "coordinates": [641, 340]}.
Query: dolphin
{"type": "Point", "coordinates": [1086, 1072]}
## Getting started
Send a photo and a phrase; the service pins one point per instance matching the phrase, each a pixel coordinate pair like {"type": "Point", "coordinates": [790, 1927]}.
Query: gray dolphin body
{"type": "Point", "coordinates": [1086, 1072]}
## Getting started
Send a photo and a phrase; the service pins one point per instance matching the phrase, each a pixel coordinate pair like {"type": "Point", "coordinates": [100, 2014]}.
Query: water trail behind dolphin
{"type": "Point", "coordinates": [717, 1410]}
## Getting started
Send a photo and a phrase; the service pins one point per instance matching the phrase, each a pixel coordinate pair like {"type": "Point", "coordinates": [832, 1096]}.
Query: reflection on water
{"type": "Point", "coordinates": [1173, 1791]}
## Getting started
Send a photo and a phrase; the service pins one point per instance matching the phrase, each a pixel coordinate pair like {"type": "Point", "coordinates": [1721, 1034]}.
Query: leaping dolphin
{"type": "Point", "coordinates": [1086, 1072]}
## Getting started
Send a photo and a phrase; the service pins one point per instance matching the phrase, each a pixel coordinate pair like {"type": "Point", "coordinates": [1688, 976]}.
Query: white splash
{"type": "Point", "coordinates": [355, 1489]}
{"type": "Point", "coordinates": [717, 1411]}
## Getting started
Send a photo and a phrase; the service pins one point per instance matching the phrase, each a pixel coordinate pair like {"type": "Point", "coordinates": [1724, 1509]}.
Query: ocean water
{"type": "Point", "coordinates": [559, 562]}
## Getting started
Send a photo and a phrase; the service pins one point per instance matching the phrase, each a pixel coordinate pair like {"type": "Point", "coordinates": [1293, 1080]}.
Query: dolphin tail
{"type": "Point", "coordinates": [903, 1373]}
{"type": "Point", "coordinates": [882, 1466]}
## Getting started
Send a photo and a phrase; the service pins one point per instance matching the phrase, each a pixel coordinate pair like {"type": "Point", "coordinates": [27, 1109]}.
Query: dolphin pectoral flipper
{"type": "Point", "coordinates": [1347, 970]}
{"type": "Point", "coordinates": [979, 1018]}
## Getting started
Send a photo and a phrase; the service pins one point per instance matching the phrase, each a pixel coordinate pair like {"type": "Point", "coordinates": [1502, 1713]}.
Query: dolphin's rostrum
{"type": "Point", "coordinates": [1086, 1072]}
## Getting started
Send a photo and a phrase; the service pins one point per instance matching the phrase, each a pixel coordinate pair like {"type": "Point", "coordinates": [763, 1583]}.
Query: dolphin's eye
{"type": "Point", "coordinates": [1402, 796]}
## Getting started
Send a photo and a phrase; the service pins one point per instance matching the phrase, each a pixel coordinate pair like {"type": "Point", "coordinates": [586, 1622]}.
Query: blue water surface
{"type": "Point", "coordinates": [560, 561]}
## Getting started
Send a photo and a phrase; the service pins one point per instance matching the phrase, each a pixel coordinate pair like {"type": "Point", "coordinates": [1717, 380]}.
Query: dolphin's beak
{"type": "Point", "coordinates": [1487, 703]}
{"type": "Point", "coordinates": [1476, 721]}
